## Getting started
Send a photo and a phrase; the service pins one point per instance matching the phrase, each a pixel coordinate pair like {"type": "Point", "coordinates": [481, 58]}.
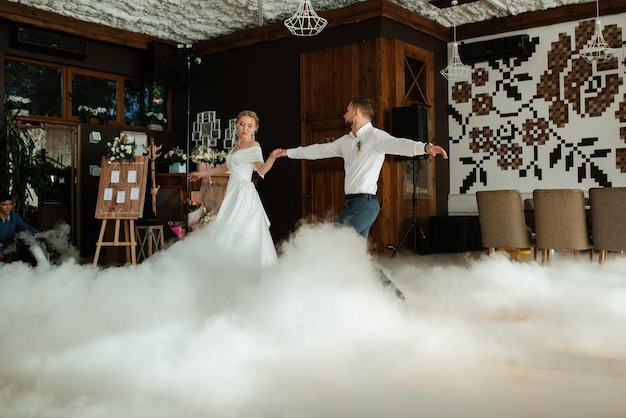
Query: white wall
{"type": "Point", "coordinates": [545, 121]}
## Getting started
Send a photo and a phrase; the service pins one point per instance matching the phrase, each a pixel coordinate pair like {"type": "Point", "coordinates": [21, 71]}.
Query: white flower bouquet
{"type": "Point", "coordinates": [121, 148]}
{"type": "Point", "coordinates": [16, 102]}
{"type": "Point", "coordinates": [85, 112]}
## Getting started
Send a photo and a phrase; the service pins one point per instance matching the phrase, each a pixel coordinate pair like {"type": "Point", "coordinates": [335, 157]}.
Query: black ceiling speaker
{"type": "Point", "coordinates": [511, 46]}
{"type": "Point", "coordinates": [49, 42]}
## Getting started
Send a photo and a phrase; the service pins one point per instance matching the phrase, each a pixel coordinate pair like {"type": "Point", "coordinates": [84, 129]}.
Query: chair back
{"type": "Point", "coordinates": [501, 218]}
{"type": "Point", "coordinates": [608, 218]}
{"type": "Point", "coordinates": [560, 219]}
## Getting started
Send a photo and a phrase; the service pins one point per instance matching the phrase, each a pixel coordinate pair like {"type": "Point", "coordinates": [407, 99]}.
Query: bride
{"type": "Point", "coordinates": [241, 225]}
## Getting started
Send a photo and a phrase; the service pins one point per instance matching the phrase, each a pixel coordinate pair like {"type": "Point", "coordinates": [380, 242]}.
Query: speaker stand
{"type": "Point", "coordinates": [414, 226]}
{"type": "Point", "coordinates": [188, 51]}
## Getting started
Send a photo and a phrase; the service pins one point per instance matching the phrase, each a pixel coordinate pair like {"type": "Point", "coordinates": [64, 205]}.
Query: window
{"type": "Point", "coordinates": [140, 98]}
{"type": "Point", "coordinates": [415, 80]}
{"type": "Point", "coordinates": [42, 84]}
{"type": "Point", "coordinates": [95, 92]}
{"type": "Point", "coordinates": [57, 91]}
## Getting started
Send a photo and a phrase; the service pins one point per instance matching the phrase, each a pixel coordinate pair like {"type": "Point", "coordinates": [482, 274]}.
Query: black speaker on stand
{"type": "Point", "coordinates": [411, 122]}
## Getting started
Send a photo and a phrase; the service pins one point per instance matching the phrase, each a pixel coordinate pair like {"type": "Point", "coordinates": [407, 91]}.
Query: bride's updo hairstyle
{"type": "Point", "coordinates": [249, 113]}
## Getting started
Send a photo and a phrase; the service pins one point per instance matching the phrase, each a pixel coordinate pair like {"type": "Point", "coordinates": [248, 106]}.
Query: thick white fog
{"type": "Point", "coordinates": [315, 335]}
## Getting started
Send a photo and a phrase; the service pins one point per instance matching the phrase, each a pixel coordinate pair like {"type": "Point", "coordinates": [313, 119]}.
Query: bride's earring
{"type": "Point", "coordinates": [253, 136]}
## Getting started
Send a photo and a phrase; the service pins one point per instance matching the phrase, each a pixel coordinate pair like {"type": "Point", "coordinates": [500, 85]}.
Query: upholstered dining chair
{"type": "Point", "coordinates": [608, 219]}
{"type": "Point", "coordinates": [560, 222]}
{"type": "Point", "coordinates": [502, 224]}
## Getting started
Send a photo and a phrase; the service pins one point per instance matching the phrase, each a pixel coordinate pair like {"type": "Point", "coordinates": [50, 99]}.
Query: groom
{"type": "Point", "coordinates": [363, 150]}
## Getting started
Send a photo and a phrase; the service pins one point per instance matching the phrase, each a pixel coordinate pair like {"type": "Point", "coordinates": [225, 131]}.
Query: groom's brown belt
{"type": "Point", "coordinates": [361, 196]}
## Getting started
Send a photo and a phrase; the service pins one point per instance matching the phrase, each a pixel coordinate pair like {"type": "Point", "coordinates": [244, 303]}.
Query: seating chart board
{"type": "Point", "coordinates": [122, 188]}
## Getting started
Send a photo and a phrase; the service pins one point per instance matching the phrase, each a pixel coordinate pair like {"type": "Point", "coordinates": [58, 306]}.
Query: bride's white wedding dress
{"type": "Point", "coordinates": [241, 227]}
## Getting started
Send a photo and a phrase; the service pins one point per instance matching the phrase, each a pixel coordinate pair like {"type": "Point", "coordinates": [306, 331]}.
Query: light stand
{"type": "Point", "coordinates": [414, 226]}
{"type": "Point", "coordinates": [188, 51]}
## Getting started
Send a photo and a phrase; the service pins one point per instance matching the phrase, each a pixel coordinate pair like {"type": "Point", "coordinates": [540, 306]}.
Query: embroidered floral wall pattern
{"type": "Point", "coordinates": [547, 120]}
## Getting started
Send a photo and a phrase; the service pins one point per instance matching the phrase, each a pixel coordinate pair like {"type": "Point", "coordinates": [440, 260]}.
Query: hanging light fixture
{"type": "Point", "coordinates": [456, 70]}
{"type": "Point", "coordinates": [305, 22]}
{"type": "Point", "coordinates": [597, 48]}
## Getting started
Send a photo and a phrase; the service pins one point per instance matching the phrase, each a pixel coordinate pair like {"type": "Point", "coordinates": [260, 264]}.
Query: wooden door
{"type": "Point", "coordinates": [330, 78]}
{"type": "Point", "coordinates": [323, 193]}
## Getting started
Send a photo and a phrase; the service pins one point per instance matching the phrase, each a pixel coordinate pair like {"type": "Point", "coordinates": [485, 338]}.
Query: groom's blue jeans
{"type": "Point", "coordinates": [359, 212]}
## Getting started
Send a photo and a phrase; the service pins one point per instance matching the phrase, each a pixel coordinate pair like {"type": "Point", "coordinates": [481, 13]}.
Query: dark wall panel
{"type": "Point", "coordinates": [265, 78]}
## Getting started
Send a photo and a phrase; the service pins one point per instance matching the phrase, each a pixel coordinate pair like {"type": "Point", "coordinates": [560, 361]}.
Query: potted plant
{"type": "Point", "coordinates": [177, 160]}
{"type": "Point", "coordinates": [26, 171]}
{"type": "Point", "coordinates": [194, 210]}
{"type": "Point", "coordinates": [15, 105]}
{"type": "Point", "coordinates": [85, 113]}
{"type": "Point", "coordinates": [156, 121]}
{"type": "Point", "coordinates": [104, 114]}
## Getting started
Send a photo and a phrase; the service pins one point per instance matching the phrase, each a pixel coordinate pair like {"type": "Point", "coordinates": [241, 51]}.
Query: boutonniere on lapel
{"type": "Point", "coordinates": [358, 147]}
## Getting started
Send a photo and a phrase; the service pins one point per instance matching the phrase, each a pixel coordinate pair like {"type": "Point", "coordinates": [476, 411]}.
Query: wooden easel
{"type": "Point", "coordinates": [121, 196]}
{"type": "Point", "coordinates": [129, 240]}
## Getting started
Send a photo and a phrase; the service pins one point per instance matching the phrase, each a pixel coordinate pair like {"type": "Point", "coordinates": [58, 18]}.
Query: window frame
{"type": "Point", "coordinates": [68, 71]}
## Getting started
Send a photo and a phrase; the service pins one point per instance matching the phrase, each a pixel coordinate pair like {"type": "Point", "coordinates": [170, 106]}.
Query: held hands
{"type": "Point", "coordinates": [279, 152]}
{"type": "Point", "coordinates": [433, 150]}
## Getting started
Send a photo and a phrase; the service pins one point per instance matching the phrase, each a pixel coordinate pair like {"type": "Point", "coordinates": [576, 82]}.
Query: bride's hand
{"type": "Point", "coordinates": [279, 152]}
{"type": "Point", "coordinates": [193, 176]}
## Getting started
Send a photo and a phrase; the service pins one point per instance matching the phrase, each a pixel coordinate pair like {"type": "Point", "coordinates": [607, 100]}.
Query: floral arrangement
{"type": "Point", "coordinates": [16, 102]}
{"type": "Point", "coordinates": [208, 216]}
{"type": "Point", "coordinates": [205, 217]}
{"type": "Point", "coordinates": [204, 154]}
{"type": "Point", "coordinates": [121, 148]}
{"type": "Point", "coordinates": [85, 112]}
{"type": "Point", "coordinates": [176, 155]}
{"type": "Point", "coordinates": [104, 113]}
{"type": "Point", "coordinates": [156, 118]}
{"type": "Point", "coordinates": [193, 205]}
{"type": "Point", "coordinates": [178, 228]}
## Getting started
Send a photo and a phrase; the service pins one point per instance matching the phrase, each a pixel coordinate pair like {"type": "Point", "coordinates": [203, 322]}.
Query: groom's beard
{"type": "Point", "coordinates": [348, 123]}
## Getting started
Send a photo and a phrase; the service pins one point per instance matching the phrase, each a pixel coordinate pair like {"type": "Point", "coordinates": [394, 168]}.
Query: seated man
{"type": "Point", "coordinates": [10, 224]}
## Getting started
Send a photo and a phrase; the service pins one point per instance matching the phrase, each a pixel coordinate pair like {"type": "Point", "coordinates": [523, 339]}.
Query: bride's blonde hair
{"type": "Point", "coordinates": [248, 113]}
